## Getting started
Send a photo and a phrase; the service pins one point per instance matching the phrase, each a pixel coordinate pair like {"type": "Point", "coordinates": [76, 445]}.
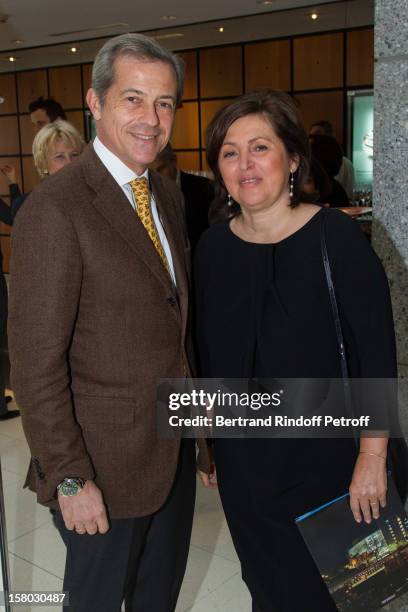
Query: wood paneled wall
{"type": "Point", "coordinates": [67, 85]}
{"type": "Point", "coordinates": [316, 69]}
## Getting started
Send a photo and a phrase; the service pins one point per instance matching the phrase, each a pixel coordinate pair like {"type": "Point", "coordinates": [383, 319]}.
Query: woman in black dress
{"type": "Point", "coordinates": [263, 311]}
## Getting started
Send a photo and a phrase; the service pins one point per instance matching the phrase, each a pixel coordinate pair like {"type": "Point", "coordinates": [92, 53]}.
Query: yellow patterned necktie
{"type": "Point", "coordinates": [140, 188]}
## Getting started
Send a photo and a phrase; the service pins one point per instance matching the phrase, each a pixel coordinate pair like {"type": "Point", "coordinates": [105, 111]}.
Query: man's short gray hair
{"type": "Point", "coordinates": [135, 45]}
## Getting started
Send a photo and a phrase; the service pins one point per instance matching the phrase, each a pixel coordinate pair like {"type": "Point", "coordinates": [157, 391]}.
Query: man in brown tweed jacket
{"type": "Point", "coordinates": [98, 313]}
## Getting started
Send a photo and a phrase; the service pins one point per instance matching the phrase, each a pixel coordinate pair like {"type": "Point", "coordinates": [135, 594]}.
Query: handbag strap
{"type": "Point", "coordinates": [336, 315]}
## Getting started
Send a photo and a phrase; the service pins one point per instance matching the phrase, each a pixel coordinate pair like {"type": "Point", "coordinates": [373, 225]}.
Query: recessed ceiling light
{"type": "Point", "coordinates": [12, 59]}
{"type": "Point", "coordinates": [18, 42]}
{"type": "Point", "coordinates": [74, 49]}
{"type": "Point", "coordinates": [221, 29]}
{"type": "Point", "coordinates": [168, 17]}
{"type": "Point", "coordinates": [314, 16]}
{"type": "Point", "coordinates": [165, 36]}
{"type": "Point", "coordinates": [265, 2]}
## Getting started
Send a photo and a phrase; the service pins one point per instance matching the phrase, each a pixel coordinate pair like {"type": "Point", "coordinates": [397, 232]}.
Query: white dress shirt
{"type": "Point", "coordinates": [123, 175]}
{"type": "Point", "coordinates": [346, 177]}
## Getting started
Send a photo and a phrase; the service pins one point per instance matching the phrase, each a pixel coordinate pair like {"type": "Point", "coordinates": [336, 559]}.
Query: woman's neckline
{"type": "Point", "coordinates": [295, 233]}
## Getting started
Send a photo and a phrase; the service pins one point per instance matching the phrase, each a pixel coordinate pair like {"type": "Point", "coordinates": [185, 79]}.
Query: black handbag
{"type": "Point", "coordinates": [397, 453]}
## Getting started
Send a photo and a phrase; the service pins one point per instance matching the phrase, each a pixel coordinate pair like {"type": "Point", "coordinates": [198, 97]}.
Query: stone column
{"type": "Point", "coordinates": [390, 189]}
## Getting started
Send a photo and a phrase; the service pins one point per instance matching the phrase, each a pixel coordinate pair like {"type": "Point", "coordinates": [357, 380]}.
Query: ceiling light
{"type": "Point", "coordinates": [74, 49]}
{"type": "Point", "coordinates": [168, 17]}
{"type": "Point", "coordinates": [265, 2]}
{"type": "Point", "coordinates": [221, 29]}
{"type": "Point", "coordinates": [12, 59]}
{"type": "Point", "coordinates": [165, 36]}
{"type": "Point", "coordinates": [18, 42]}
{"type": "Point", "coordinates": [314, 16]}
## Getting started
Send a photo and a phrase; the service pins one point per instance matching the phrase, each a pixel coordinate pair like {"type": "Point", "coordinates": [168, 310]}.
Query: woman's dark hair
{"type": "Point", "coordinates": [328, 153]}
{"type": "Point", "coordinates": [321, 181]}
{"type": "Point", "coordinates": [279, 109]}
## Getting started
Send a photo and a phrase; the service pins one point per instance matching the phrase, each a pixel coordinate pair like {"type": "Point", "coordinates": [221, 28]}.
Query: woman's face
{"type": "Point", "coordinates": [254, 164]}
{"type": "Point", "coordinates": [59, 155]}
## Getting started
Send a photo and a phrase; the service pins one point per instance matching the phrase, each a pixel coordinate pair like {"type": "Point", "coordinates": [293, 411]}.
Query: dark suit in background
{"type": "Point", "coordinates": [5, 217]}
{"type": "Point", "coordinates": [3, 338]}
{"type": "Point", "coordinates": [198, 193]}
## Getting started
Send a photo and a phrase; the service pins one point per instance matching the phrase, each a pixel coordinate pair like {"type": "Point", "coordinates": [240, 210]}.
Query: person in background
{"type": "Point", "coordinates": [43, 111]}
{"type": "Point", "coordinates": [5, 414]}
{"type": "Point", "coordinates": [6, 217]}
{"type": "Point", "coordinates": [345, 175]}
{"type": "Point", "coordinates": [327, 151]}
{"type": "Point", "coordinates": [9, 172]}
{"type": "Point", "coordinates": [55, 146]}
{"type": "Point", "coordinates": [317, 185]}
{"type": "Point", "coordinates": [263, 313]}
{"type": "Point", "coordinates": [198, 192]}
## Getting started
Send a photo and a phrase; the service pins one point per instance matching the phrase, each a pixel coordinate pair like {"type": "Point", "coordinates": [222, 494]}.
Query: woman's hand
{"type": "Point", "coordinates": [368, 487]}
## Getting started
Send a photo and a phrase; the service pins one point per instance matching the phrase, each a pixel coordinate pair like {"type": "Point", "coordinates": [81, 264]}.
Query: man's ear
{"type": "Point", "coordinates": [94, 105]}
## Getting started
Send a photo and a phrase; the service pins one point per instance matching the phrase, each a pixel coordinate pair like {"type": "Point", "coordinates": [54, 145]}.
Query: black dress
{"type": "Point", "coordinates": [263, 310]}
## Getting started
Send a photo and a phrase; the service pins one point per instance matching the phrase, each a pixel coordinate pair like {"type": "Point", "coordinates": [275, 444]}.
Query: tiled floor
{"type": "Point", "coordinates": [212, 581]}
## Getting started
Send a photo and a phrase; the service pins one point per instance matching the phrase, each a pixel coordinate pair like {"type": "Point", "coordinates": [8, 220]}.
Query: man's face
{"type": "Point", "coordinates": [136, 119]}
{"type": "Point", "coordinates": [39, 118]}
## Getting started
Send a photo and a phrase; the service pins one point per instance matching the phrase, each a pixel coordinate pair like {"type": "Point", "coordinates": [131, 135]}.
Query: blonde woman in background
{"type": "Point", "coordinates": [56, 145]}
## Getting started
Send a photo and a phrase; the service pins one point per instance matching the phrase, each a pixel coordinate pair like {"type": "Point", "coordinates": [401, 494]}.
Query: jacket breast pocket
{"type": "Point", "coordinates": [104, 410]}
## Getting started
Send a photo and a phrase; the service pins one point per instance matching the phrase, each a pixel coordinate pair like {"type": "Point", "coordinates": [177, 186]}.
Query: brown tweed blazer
{"type": "Point", "coordinates": [94, 323]}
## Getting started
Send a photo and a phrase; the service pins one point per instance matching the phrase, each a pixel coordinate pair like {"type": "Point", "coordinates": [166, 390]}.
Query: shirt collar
{"type": "Point", "coordinates": [115, 166]}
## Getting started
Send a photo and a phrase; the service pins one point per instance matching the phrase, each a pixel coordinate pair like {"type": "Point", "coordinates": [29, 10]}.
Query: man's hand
{"type": "Point", "coordinates": [209, 480]}
{"type": "Point", "coordinates": [85, 512]}
{"type": "Point", "coordinates": [9, 172]}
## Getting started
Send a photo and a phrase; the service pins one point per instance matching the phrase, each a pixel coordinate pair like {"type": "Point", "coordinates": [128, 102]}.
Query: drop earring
{"type": "Point", "coordinates": [230, 201]}
{"type": "Point", "coordinates": [291, 184]}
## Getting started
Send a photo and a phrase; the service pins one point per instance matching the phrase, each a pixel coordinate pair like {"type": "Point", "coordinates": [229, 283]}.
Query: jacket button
{"type": "Point", "coordinates": [171, 300]}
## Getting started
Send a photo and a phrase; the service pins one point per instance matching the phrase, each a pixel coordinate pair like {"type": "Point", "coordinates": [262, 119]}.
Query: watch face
{"type": "Point", "coordinates": [70, 486]}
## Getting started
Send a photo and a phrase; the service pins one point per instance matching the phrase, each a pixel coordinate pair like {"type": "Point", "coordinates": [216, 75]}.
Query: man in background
{"type": "Point", "coordinates": [43, 111]}
{"type": "Point", "coordinates": [5, 414]}
{"type": "Point", "coordinates": [198, 192]}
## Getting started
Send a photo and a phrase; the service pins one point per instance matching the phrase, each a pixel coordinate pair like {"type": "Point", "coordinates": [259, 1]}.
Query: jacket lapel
{"type": "Point", "coordinates": [112, 203]}
{"type": "Point", "coordinates": [175, 236]}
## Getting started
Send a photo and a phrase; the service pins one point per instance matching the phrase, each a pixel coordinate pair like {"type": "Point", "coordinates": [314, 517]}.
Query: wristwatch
{"type": "Point", "coordinates": [70, 486]}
